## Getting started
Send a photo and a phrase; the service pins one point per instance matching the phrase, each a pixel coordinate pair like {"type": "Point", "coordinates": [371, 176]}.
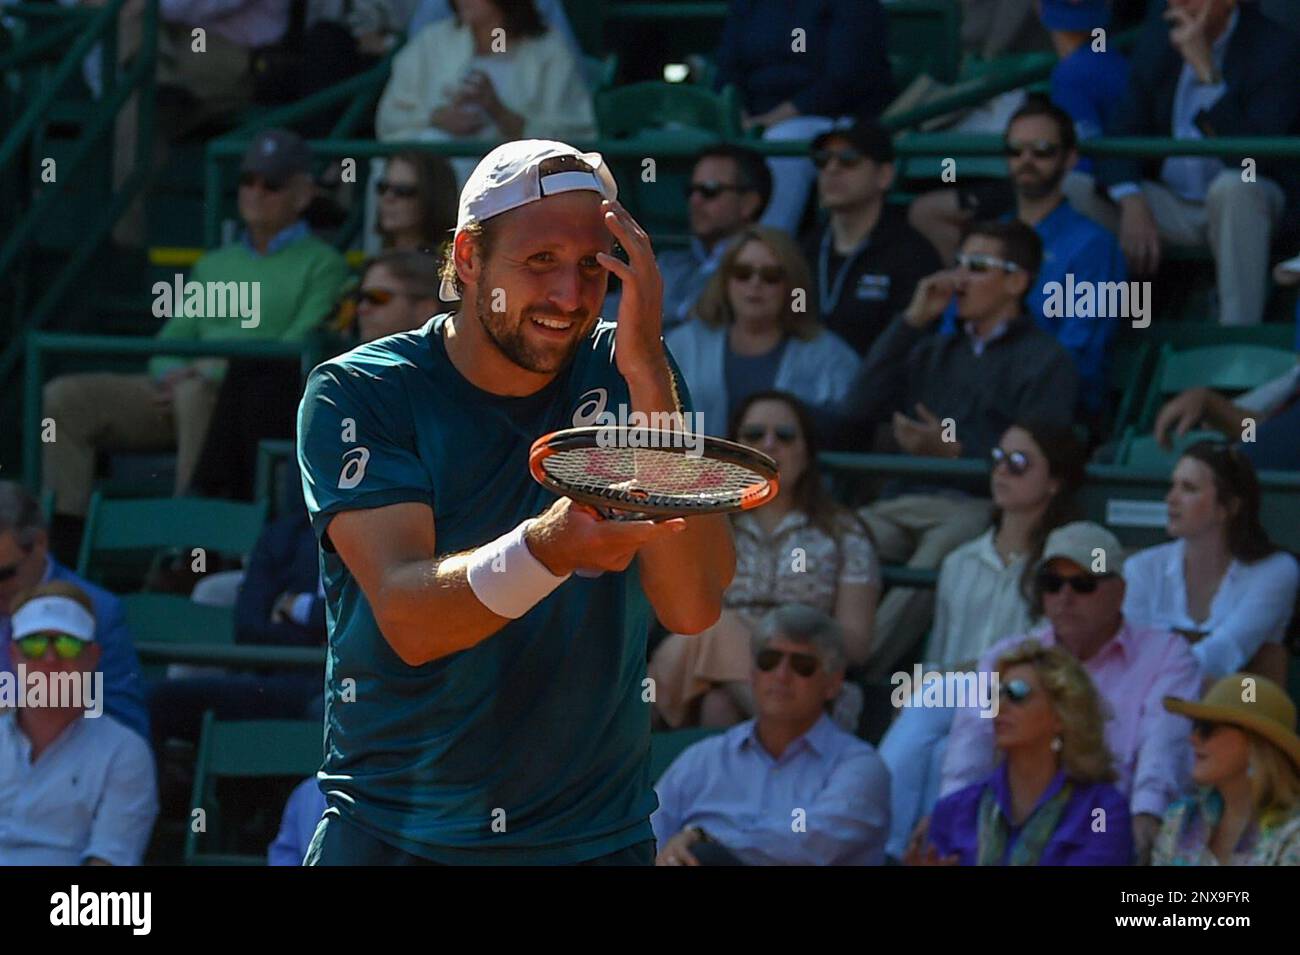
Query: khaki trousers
{"type": "Point", "coordinates": [110, 412]}
{"type": "Point", "coordinates": [918, 530]}
{"type": "Point", "coordinates": [1236, 220]}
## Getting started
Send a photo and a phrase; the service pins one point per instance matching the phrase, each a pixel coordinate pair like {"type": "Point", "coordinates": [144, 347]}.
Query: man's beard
{"type": "Point", "coordinates": [1040, 188]}
{"type": "Point", "coordinates": [512, 340]}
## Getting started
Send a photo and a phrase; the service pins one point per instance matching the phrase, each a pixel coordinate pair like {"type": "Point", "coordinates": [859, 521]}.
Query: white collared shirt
{"type": "Point", "coordinates": [1250, 608]}
{"type": "Point", "coordinates": [978, 602]}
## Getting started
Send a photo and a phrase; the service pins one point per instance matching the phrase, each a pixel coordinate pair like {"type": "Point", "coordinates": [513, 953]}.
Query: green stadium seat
{"type": "Point", "coordinates": [244, 749]}
{"type": "Point", "coordinates": [1231, 368]}
{"type": "Point", "coordinates": [668, 745]}
{"type": "Point", "coordinates": [1143, 452]}
{"type": "Point", "coordinates": [173, 619]}
{"type": "Point", "coordinates": [159, 524]}
{"type": "Point", "coordinates": [924, 37]}
{"type": "Point", "coordinates": [600, 71]}
{"type": "Point", "coordinates": [1129, 363]}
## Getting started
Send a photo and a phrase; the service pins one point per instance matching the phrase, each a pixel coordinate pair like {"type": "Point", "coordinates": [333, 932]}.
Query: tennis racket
{"type": "Point", "coordinates": [644, 473]}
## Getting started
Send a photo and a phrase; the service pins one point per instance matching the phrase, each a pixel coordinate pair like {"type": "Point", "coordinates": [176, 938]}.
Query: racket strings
{"type": "Point", "coordinates": [641, 474]}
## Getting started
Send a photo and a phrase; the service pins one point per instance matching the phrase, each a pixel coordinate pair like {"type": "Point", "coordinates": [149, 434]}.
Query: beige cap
{"type": "Point", "coordinates": [1089, 545]}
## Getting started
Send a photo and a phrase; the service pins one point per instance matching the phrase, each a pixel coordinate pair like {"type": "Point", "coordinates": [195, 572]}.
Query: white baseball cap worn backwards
{"type": "Point", "coordinates": [510, 176]}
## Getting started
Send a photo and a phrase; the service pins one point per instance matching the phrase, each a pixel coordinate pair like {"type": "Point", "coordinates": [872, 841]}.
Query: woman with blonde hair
{"type": "Point", "coordinates": [1247, 765]}
{"type": "Point", "coordinates": [754, 331]}
{"type": "Point", "coordinates": [1041, 805]}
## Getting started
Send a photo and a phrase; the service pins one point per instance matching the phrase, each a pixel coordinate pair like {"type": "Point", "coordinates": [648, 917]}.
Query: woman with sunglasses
{"type": "Point", "coordinates": [1221, 582]}
{"type": "Point", "coordinates": [1247, 767]}
{"type": "Point", "coordinates": [417, 202]}
{"type": "Point", "coordinates": [1040, 806]}
{"type": "Point", "coordinates": [800, 548]}
{"type": "Point", "coordinates": [756, 330]}
{"type": "Point", "coordinates": [985, 593]}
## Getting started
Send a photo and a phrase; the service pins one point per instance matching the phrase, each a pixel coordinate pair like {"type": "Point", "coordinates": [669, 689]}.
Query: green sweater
{"type": "Point", "coordinates": [296, 288]}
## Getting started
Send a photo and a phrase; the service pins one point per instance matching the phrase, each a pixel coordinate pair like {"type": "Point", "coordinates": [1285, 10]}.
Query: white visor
{"type": "Point", "coordinates": [57, 614]}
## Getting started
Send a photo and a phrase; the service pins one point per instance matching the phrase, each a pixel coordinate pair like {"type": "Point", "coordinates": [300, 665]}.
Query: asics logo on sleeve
{"type": "Point", "coordinates": [591, 408]}
{"type": "Point", "coordinates": [354, 468]}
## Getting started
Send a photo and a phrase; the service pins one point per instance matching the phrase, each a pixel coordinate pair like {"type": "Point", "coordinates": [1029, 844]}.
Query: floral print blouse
{"type": "Point", "coordinates": [1184, 838]}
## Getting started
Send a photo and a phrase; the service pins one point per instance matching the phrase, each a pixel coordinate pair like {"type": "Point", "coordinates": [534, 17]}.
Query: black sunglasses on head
{"type": "Point", "coordinates": [848, 156]}
{"type": "Point", "coordinates": [804, 664]}
{"type": "Point", "coordinates": [1039, 150]}
{"type": "Point", "coordinates": [1015, 461]}
{"type": "Point", "coordinates": [711, 189]}
{"type": "Point", "coordinates": [754, 433]}
{"type": "Point", "coordinates": [1051, 583]}
{"type": "Point", "coordinates": [270, 184]}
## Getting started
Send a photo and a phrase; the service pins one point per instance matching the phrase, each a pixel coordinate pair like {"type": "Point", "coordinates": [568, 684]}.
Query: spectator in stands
{"type": "Point", "coordinates": [258, 399]}
{"type": "Point", "coordinates": [868, 258]}
{"type": "Point", "coordinates": [1077, 253]}
{"type": "Point", "coordinates": [76, 787]}
{"type": "Point", "coordinates": [1247, 769]}
{"type": "Point", "coordinates": [1270, 414]}
{"type": "Point", "coordinates": [1081, 586]}
{"type": "Point", "coordinates": [280, 603]}
{"type": "Point", "coordinates": [493, 71]}
{"type": "Point", "coordinates": [994, 28]}
{"type": "Point", "coordinates": [417, 202]}
{"type": "Point", "coordinates": [1221, 583]}
{"type": "Point", "coordinates": [290, 278]}
{"type": "Point", "coordinates": [966, 387]}
{"type": "Point", "coordinates": [1207, 69]}
{"type": "Point", "coordinates": [799, 65]}
{"type": "Point", "coordinates": [551, 11]}
{"type": "Point", "coordinates": [26, 563]}
{"type": "Point", "coordinates": [729, 189]}
{"type": "Point", "coordinates": [755, 331]}
{"type": "Point", "coordinates": [302, 813]}
{"type": "Point", "coordinates": [1039, 806]}
{"type": "Point", "coordinates": [985, 593]}
{"type": "Point", "coordinates": [1088, 83]}
{"type": "Point", "coordinates": [788, 787]}
{"type": "Point", "coordinates": [800, 548]}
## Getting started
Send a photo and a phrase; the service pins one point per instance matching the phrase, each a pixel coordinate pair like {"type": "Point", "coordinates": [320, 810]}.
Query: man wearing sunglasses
{"type": "Point", "coordinates": [727, 192]}
{"type": "Point", "coordinates": [297, 278]}
{"type": "Point", "coordinates": [788, 787]}
{"type": "Point", "coordinates": [25, 563]}
{"type": "Point", "coordinates": [1081, 588]}
{"type": "Point", "coordinates": [76, 788]}
{"type": "Point", "coordinates": [868, 259]}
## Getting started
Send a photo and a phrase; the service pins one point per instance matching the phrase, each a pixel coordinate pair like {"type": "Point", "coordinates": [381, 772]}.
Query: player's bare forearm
{"type": "Point", "coordinates": [422, 604]}
{"type": "Point", "coordinates": [685, 576]}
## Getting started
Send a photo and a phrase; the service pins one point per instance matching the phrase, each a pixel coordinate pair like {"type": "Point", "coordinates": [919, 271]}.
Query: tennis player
{"type": "Point", "coordinates": [485, 705]}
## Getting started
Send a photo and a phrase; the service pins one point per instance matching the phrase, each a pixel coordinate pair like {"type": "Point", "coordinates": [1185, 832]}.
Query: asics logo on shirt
{"type": "Point", "coordinates": [591, 408]}
{"type": "Point", "coordinates": [354, 468]}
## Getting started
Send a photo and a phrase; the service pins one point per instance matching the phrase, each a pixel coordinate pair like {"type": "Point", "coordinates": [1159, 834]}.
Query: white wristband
{"type": "Point", "coordinates": [507, 578]}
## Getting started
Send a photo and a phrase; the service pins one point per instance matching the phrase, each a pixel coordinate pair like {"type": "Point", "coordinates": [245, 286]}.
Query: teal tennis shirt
{"type": "Point", "coordinates": [533, 746]}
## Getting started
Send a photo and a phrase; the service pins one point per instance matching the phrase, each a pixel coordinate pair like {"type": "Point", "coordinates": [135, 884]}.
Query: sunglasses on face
{"type": "Point", "coordinates": [710, 189]}
{"type": "Point", "coordinates": [399, 190]}
{"type": "Point", "coordinates": [249, 179]}
{"type": "Point", "coordinates": [65, 647]}
{"type": "Point", "coordinates": [980, 264]}
{"type": "Point", "coordinates": [1017, 691]}
{"type": "Point", "coordinates": [847, 157]}
{"type": "Point", "coordinates": [1204, 729]}
{"type": "Point", "coordinates": [375, 296]}
{"type": "Point", "coordinates": [1015, 461]}
{"type": "Point", "coordinates": [1039, 150]}
{"type": "Point", "coordinates": [804, 664]}
{"type": "Point", "coordinates": [770, 274]}
{"type": "Point", "coordinates": [754, 433]}
{"type": "Point", "coordinates": [1079, 583]}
